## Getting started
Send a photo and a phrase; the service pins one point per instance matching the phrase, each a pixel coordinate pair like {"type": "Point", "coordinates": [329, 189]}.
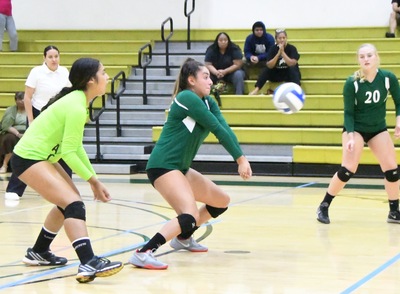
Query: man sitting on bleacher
{"type": "Point", "coordinates": [256, 47]}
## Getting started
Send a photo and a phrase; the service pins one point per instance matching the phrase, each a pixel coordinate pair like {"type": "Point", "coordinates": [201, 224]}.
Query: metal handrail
{"type": "Point", "coordinates": [187, 14]}
{"type": "Point", "coordinates": [116, 96]}
{"type": "Point", "coordinates": [166, 40]}
{"type": "Point", "coordinates": [94, 116]}
{"type": "Point", "coordinates": [144, 67]}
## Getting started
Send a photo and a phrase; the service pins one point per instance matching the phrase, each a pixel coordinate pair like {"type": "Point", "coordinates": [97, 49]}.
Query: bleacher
{"type": "Point", "coordinates": [327, 59]}
{"type": "Point", "coordinates": [116, 49]}
{"type": "Point", "coordinates": [313, 135]}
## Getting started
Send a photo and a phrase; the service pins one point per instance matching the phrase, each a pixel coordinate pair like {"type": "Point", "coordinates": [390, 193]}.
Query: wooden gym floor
{"type": "Point", "coordinates": [267, 242]}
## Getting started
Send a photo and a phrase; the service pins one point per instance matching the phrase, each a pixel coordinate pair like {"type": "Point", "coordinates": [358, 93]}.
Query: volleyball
{"type": "Point", "coordinates": [289, 98]}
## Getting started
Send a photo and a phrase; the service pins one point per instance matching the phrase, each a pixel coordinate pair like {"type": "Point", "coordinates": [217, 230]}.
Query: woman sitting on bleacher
{"type": "Point", "coordinates": [224, 61]}
{"type": "Point", "coordinates": [282, 63]}
{"type": "Point", "coordinates": [13, 125]}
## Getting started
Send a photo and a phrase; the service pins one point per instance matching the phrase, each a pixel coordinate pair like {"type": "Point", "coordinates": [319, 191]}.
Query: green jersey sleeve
{"type": "Point", "coordinates": [207, 114]}
{"type": "Point", "coordinates": [394, 89]}
{"type": "Point", "coordinates": [349, 100]}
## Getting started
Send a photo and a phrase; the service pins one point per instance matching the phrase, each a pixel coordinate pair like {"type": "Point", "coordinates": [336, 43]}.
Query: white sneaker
{"type": "Point", "coordinates": [187, 244]}
{"type": "Point", "coordinates": [146, 260]}
{"type": "Point", "coordinates": [11, 196]}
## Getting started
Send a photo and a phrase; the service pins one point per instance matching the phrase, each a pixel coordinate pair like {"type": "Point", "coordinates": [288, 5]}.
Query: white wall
{"type": "Point", "coordinates": [216, 14]}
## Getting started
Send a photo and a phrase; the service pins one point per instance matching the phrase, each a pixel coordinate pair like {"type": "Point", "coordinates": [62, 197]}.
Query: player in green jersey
{"type": "Point", "coordinates": [365, 95]}
{"type": "Point", "coordinates": [193, 115]}
{"type": "Point", "coordinates": [57, 133]}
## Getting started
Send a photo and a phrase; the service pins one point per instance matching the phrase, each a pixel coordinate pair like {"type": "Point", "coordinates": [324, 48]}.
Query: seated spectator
{"type": "Point", "coordinates": [224, 61]}
{"type": "Point", "coordinates": [394, 17]}
{"type": "Point", "coordinates": [282, 63]}
{"type": "Point", "coordinates": [256, 48]}
{"type": "Point", "coordinates": [13, 125]}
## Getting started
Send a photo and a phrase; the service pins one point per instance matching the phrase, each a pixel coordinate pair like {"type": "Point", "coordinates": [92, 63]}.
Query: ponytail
{"type": "Point", "coordinates": [64, 91]}
{"type": "Point", "coordinates": [359, 75]}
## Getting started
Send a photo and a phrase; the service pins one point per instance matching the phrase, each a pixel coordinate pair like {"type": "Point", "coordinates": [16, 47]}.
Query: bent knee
{"type": "Point", "coordinates": [226, 200]}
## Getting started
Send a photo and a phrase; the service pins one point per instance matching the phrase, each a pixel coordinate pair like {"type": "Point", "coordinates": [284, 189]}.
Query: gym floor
{"type": "Point", "coordinates": [268, 241]}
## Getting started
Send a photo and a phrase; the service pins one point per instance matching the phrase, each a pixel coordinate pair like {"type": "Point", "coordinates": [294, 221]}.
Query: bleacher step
{"type": "Point", "coordinates": [117, 169]}
{"type": "Point", "coordinates": [330, 155]}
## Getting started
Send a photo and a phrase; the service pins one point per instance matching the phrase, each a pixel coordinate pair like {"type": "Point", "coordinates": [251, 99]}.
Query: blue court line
{"type": "Point", "coordinates": [306, 185]}
{"type": "Point", "coordinates": [371, 275]}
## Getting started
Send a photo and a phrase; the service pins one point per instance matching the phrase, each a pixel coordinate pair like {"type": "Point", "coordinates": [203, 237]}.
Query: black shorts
{"type": "Point", "coordinates": [368, 136]}
{"type": "Point", "coordinates": [19, 164]}
{"type": "Point", "coordinates": [154, 173]}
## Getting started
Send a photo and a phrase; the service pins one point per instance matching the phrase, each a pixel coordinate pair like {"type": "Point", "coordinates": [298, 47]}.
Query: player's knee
{"type": "Point", "coordinates": [75, 210]}
{"type": "Point", "coordinates": [344, 174]}
{"type": "Point", "coordinates": [224, 200]}
{"type": "Point", "coordinates": [187, 222]}
{"type": "Point", "coordinates": [392, 175]}
{"type": "Point", "coordinates": [215, 211]}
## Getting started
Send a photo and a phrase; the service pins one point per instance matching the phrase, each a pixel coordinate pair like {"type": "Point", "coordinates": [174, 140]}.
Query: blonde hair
{"type": "Point", "coordinates": [359, 74]}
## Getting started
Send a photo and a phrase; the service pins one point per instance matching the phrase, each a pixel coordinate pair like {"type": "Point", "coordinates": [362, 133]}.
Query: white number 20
{"type": "Point", "coordinates": [372, 97]}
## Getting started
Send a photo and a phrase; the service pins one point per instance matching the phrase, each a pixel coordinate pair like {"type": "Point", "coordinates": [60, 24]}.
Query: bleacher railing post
{"type": "Point", "coordinates": [187, 14]}
{"type": "Point", "coordinates": [144, 65]}
{"type": "Point", "coordinates": [96, 117]}
{"type": "Point", "coordinates": [166, 40]}
{"type": "Point", "coordinates": [116, 96]}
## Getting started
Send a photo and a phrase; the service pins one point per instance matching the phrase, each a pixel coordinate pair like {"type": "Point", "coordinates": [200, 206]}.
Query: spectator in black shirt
{"type": "Point", "coordinates": [282, 63]}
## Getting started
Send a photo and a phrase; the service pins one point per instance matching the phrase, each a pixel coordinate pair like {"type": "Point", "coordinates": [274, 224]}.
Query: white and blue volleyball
{"type": "Point", "coordinates": [289, 98]}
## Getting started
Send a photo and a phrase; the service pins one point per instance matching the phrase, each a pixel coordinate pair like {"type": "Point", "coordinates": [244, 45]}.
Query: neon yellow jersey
{"type": "Point", "coordinates": [58, 133]}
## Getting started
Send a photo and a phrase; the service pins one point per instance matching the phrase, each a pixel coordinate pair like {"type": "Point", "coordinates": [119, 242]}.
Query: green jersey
{"type": "Point", "coordinates": [365, 102]}
{"type": "Point", "coordinates": [189, 122]}
{"type": "Point", "coordinates": [57, 133]}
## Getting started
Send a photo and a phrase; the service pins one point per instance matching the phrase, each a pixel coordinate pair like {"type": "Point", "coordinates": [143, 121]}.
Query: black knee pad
{"type": "Point", "coordinates": [392, 175]}
{"type": "Point", "coordinates": [75, 210]}
{"type": "Point", "coordinates": [187, 222]}
{"type": "Point", "coordinates": [344, 174]}
{"type": "Point", "coordinates": [215, 211]}
{"type": "Point", "coordinates": [61, 210]}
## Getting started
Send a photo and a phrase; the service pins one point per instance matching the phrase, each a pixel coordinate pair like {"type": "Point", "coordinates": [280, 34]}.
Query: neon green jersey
{"type": "Point", "coordinates": [57, 133]}
{"type": "Point", "coordinates": [189, 122]}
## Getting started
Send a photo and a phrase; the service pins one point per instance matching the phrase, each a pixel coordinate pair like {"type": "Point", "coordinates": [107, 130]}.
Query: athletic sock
{"type": "Point", "coordinates": [154, 243]}
{"type": "Point", "coordinates": [44, 240]}
{"type": "Point", "coordinates": [328, 198]}
{"type": "Point", "coordinates": [83, 248]}
{"type": "Point", "coordinates": [394, 205]}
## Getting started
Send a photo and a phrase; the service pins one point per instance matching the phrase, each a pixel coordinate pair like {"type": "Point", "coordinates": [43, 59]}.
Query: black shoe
{"type": "Point", "coordinates": [322, 213]}
{"type": "Point", "coordinates": [44, 258]}
{"type": "Point", "coordinates": [394, 217]}
{"type": "Point", "coordinates": [389, 35]}
{"type": "Point", "coordinates": [97, 267]}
